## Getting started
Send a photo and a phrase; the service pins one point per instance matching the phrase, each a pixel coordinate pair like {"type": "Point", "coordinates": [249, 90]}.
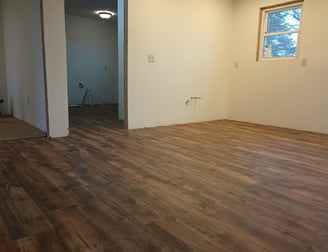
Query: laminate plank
{"type": "Point", "coordinates": [183, 236]}
{"type": "Point", "coordinates": [128, 233]}
{"type": "Point", "coordinates": [20, 213]}
{"type": "Point", "coordinates": [43, 242]}
{"type": "Point", "coordinates": [47, 196]}
{"type": "Point", "coordinates": [7, 243]}
{"type": "Point", "coordinates": [76, 232]}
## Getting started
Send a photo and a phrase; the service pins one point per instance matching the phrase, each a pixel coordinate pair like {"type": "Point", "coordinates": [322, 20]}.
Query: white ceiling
{"type": "Point", "coordinates": [86, 8]}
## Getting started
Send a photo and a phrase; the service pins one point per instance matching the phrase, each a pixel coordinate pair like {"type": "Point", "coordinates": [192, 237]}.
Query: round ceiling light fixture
{"type": "Point", "coordinates": [105, 14]}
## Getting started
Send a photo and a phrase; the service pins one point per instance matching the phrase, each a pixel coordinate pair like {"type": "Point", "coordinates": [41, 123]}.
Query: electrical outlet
{"type": "Point", "coordinates": [304, 62]}
{"type": "Point", "coordinates": [236, 64]}
{"type": "Point", "coordinates": [151, 58]}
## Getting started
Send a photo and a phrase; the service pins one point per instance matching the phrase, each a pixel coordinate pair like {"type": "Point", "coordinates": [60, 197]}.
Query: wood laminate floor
{"type": "Point", "coordinates": [214, 186]}
{"type": "Point", "coordinates": [12, 129]}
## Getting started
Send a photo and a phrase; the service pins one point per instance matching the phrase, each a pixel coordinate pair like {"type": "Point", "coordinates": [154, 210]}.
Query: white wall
{"type": "Point", "coordinates": [121, 58]}
{"type": "Point", "coordinates": [24, 61]}
{"type": "Point", "coordinates": [191, 43]}
{"type": "Point", "coordinates": [56, 66]}
{"type": "Point", "coordinates": [3, 82]}
{"type": "Point", "coordinates": [92, 59]}
{"type": "Point", "coordinates": [281, 93]}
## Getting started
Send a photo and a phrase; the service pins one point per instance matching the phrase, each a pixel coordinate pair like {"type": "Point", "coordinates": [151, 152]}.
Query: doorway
{"type": "Point", "coordinates": [96, 61]}
{"type": "Point", "coordinates": [22, 85]}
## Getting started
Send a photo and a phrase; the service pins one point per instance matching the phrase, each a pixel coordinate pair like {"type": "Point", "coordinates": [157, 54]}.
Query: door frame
{"type": "Point", "coordinates": [126, 114]}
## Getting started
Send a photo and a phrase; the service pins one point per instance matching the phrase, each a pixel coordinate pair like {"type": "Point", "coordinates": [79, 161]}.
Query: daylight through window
{"type": "Point", "coordinates": [280, 27]}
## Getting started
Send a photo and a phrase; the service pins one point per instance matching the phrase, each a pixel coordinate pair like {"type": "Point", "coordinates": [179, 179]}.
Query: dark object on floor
{"type": "Point", "coordinates": [1, 101]}
{"type": "Point", "coordinates": [87, 93]}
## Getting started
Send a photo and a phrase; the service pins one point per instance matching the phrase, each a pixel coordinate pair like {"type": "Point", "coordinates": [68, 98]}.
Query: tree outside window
{"type": "Point", "coordinates": [280, 29]}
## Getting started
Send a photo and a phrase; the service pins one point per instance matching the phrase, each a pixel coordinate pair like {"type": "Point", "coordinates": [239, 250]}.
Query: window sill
{"type": "Point", "coordinates": [276, 59]}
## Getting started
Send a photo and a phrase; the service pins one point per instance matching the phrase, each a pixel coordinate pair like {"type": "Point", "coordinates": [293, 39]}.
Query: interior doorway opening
{"type": "Point", "coordinates": [22, 84]}
{"type": "Point", "coordinates": [96, 61]}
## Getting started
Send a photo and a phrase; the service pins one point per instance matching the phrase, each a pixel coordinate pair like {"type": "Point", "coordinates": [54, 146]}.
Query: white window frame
{"type": "Point", "coordinates": [263, 25]}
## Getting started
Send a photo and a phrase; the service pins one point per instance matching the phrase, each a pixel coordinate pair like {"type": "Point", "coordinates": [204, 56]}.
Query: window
{"type": "Point", "coordinates": [279, 30]}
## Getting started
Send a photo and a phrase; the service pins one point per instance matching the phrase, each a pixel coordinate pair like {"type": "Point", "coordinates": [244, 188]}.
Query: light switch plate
{"type": "Point", "coordinates": [151, 58]}
{"type": "Point", "coordinates": [304, 62]}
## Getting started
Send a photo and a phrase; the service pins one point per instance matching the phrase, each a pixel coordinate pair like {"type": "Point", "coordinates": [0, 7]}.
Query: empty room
{"type": "Point", "coordinates": [222, 144]}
